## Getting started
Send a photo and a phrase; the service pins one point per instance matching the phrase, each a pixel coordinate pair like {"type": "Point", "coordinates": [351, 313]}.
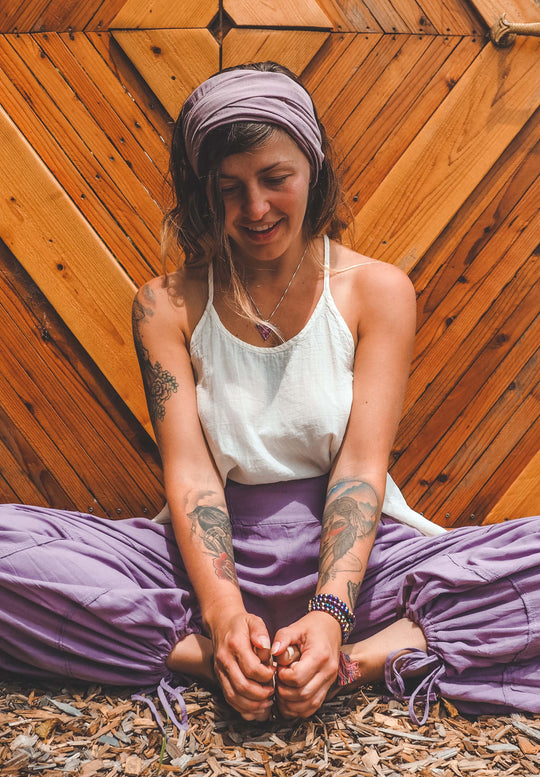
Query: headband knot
{"type": "Point", "coordinates": [252, 95]}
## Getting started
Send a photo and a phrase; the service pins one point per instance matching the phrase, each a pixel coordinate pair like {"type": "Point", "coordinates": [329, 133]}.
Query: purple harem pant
{"type": "Point", "coordinates": [105, 601]}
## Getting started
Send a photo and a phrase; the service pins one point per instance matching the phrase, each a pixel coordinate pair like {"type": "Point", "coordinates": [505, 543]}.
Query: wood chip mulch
{"type": "Point", "coordinates": [53, 731]}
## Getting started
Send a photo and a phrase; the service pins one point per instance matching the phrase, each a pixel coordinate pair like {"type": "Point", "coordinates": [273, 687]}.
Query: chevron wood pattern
{"type": "Point", "coordinates": [437, 133]}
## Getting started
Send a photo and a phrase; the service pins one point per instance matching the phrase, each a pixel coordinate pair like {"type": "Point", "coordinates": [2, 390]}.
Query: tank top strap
{"type": "Point", "coordinates": [210, 283]}
{"type": "Point", "coordinates": [326, 243]}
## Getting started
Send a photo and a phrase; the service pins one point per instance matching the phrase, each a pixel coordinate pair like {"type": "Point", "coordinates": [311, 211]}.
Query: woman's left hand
{"type": "Point", "coordinates": [301, 687]}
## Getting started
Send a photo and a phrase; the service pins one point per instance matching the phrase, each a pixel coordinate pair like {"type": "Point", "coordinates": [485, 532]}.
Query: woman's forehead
{"type": "Point", "coordinates": [278, 149]}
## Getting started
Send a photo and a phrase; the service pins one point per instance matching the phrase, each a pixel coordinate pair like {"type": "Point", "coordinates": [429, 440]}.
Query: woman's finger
{"type": "Point", "coordinates": [252, 703]}
{"type": "Point", "coordinates": [289, 655]}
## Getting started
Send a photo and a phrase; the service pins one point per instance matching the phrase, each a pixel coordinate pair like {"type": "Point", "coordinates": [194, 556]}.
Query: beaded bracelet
{"type": "Point", "coordinates": [335, 607]}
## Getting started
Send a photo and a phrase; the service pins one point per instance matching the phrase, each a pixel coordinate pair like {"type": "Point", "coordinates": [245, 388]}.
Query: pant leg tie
{"type": "Point", "coordinates": [399, 665]}
{"type": "Point", "coordinates": [165, 691]}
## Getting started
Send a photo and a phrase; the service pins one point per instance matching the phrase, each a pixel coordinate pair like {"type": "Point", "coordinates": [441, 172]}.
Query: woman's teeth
{"type": "Point", "coordinates": [262, 229]}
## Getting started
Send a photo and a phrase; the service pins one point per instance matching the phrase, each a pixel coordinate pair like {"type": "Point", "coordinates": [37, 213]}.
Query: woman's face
{"type": "Point", "coordinates": [265, 193]}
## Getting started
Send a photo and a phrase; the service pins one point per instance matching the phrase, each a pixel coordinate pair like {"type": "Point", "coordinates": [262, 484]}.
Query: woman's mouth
{"type": "Point", "coordinates": [262, 232]}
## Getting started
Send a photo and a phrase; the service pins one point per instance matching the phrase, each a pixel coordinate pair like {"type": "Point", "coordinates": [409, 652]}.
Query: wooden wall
{"type": "Point", "coordinates": [437, 131]}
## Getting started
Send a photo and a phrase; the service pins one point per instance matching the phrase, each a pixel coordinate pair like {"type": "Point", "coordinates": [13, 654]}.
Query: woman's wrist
{"type": "Point", "coordinates": [335, 607]}
{"type": "Point", "coordinates": [219, 608]}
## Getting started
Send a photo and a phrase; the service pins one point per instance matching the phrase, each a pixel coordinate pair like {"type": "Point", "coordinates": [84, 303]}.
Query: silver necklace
{"type": "Point", "coordinates": [263, 329]}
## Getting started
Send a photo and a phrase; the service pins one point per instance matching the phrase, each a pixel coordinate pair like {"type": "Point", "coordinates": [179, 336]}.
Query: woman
{"type": "Point", "coordinates": [275, 363]}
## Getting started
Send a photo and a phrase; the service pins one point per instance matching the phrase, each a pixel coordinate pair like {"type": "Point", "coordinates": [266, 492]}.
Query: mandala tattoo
{"type": "Point", "coordinates": [349, 516]}
{"type": "Point", "coordinates": [214, 528]}
{"type": "Point", "coordinates": [159, 384]}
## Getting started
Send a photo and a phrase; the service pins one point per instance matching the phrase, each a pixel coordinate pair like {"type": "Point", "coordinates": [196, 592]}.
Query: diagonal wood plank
{"type": "Point", "coordinates": [158, 14]}
{"type": "Point", "coordinates": [451, 154]}
{"type": "Point", "coordinates": [515, 10]}
{"type": "Point", "coordinates": [292, 48]}
{"type": "Point", "coordinates": [523, 496]}
{"type": "Point", "coordinates": [172, 62]}
{"type": "Point", "coordinates": [277, 13]}
{"type": "Point", "coordinates": [54, 376]}
{"type": "Point", "coordinates": [492, 355]}
{"type": "Point", "coordinates": [350, 15]}
{"type": "Point", "coordinates": [70, 264]}
{"type": "Point", "coordinates": [453, 18]}
{"type": "Point", "coordinates": [334, 66]}
{"type": "Point", "coordinates": [394, 124]}
{"type": "Point", "coordinates": [517, 240]}
{"type": "Point", "coordinates": [480, 469]}
{"type": "Point", "coordinates": [70, 171]}
{"type": "Point", "coordinates": [387, 16]}
{"type": "Point", "coordinates": [28, 478]}
{"type": "Point", "coordinates": [94, 153]}
{"type": "Point", "coordinates": [414, 16]}
{"type": "Point", "coordinates": [55, 15]}
{"type": "Point", "coordinates": [74, 405]}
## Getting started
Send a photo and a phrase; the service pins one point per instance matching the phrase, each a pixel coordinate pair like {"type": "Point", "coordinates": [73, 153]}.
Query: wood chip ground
{"type": "Point", "coordinates": [54, 731]}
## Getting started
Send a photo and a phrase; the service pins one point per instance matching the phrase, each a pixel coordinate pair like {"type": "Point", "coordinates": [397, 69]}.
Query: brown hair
{"type": "Point", "coordinates": [198, 228]}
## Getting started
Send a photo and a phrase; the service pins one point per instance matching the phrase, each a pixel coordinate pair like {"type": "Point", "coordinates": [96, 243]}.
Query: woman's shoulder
{"type": "Point", "coordinates": [371, 295]}
{"type": "Point", "coordinates": [176, 298]}
{"type": "Point", "coordinates": [369, 279]}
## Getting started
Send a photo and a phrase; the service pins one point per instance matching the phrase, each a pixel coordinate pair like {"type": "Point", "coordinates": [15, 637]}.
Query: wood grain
{"type": "Point", "coordinates": [156, 14]}
{"type": "Point", "coordinates": [172, 62]}
{"type": "Point", "coordinates": [292, 48]}
{"type": "Point", "coordinates": [522, 497]}
{"type": "Point", "coordinates": [450, 155]}
{"type": "Point", "coordinates": [277, 13]}
{"type": "Point", "coordinates": [69, 262]}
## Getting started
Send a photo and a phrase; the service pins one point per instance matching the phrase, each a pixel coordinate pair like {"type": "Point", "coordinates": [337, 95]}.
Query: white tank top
{"type": "Point", "coordinates": [280, 413]}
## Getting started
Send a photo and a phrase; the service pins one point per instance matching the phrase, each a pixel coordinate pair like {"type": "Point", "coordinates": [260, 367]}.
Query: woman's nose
{"type": "Point", "coordinates": [256, 204]}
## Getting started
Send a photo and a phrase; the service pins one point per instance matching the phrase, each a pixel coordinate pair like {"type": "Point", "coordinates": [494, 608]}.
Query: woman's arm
{"type": "Point", "coordinates": [196, 497]}
{"type": "Point", "coordinates": [386, 326]}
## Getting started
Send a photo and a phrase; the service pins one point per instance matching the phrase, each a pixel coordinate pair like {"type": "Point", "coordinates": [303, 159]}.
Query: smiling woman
{"type": "Point", "coordinates": [286, 563]}
{"type": "Point", "coordinates": [265, 199]}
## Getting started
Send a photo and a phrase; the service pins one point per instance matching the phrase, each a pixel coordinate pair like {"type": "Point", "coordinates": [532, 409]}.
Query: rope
{"type": "Point", "coordinates": [503, 33]}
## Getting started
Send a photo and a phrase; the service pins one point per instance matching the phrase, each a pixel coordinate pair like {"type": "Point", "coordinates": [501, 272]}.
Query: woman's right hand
{"type": "Point", "coordinates": [242, 663]}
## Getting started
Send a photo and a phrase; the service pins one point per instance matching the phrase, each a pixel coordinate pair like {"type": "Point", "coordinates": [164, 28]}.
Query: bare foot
{"type": "Point", "coordinates": [194, 656]}
{"type": "Point", "coordinates": [364, 662]}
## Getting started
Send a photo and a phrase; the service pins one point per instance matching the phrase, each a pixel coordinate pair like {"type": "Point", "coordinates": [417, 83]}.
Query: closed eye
{"type": "Point", "coordinates": [276, 180]}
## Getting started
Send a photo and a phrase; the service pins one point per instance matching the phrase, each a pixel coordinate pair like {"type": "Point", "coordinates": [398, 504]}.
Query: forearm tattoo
{"type": "Point", "coordinates": [351, 514]}
{"type": "Point", "coordinates": [213, 527]}
{"type": "Point", "coordinates": [159, 384]}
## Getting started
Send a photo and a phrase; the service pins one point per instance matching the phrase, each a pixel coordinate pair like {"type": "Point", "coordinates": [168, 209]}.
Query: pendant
{"type": "Point", "coordinates": [264, 331]}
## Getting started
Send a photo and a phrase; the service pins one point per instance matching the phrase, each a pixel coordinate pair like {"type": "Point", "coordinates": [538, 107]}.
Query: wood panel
{"type": "Point", "coordinates": [69, 262]}
{"type": "Point", "coordinates": [277, 13]}
{"type": "Point", "coordinates": [64, 437]}
{"type": "Point", "coordinates": [437, 132]}
{"type": "Point", "coordinates": [65, 132]}
{"type": "Point", "coordinates": [521, 498]}
{"type": "Point", "coordinates": [466, 135]}
{"type": "Point", "coordinates": [172, 62]}
{"type": "Point", "coordinates": [157, 14]}
{"type": "Point", "coordinates": [514, 10]}
{"type": "Point", "coordinates": [56, 15]}
{"type": "Point", "coordinates": [293, 48]}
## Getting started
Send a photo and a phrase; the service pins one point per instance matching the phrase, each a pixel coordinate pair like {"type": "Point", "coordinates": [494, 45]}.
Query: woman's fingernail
{"type": "Point", "coordinates": [264, 642]}
{"type": "Point", "coordinates": [276, 648]}
{"type": "Point", "coordinates": [290, 653]}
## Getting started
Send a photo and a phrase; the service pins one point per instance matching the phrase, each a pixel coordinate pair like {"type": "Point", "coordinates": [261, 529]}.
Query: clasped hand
{"type": "Point", "coordinates": [253, 672]}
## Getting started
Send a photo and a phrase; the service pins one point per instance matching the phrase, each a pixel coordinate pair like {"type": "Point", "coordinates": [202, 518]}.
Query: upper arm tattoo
{"type": "Point", "coordinates": [159, 384]}
{"type": "Point", "coordinates": [351, 514]}
{"type": "Point", "coordinates": [213, 526]}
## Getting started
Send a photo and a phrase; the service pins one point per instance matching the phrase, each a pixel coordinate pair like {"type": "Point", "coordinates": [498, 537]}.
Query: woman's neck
{"type": "Point", "coordinates": [256, 272]}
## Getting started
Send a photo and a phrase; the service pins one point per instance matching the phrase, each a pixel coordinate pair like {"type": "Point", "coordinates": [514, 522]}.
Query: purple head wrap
{"type": "Point", "coordinates": [252, 95]}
